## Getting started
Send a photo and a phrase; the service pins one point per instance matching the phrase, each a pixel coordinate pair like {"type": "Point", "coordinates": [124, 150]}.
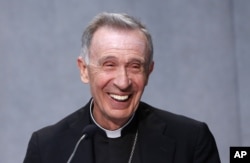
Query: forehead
{"type": "Point", "coordinates": [107, 38]}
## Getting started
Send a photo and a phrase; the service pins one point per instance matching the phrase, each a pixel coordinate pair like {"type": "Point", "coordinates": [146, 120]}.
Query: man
{"type": "Point", "coordinates": [116, 61]}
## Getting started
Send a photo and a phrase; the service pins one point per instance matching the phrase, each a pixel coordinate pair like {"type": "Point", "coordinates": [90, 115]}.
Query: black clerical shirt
{"type": "Point", "coordinates": [117, 150]}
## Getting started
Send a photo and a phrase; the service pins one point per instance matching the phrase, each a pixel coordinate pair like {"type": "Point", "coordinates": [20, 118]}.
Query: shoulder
{"type": "Point", "coordinates": [44, 143]}
{"type": "Point", "coordinates": [166, 116]}
{"type": "Point", "coordinates": [176, 124]}
{"type": "Point", "coordinates": [70, 123]}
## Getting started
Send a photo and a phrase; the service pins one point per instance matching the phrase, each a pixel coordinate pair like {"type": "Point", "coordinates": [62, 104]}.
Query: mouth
{"type": "Point", "coordinates": [120, 98]}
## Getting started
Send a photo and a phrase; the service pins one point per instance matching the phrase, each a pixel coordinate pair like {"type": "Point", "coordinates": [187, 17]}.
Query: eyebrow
{"type": "Point", "coordinates": [135, 59]}
{"type": "Point", "coordinates": [105, 58]}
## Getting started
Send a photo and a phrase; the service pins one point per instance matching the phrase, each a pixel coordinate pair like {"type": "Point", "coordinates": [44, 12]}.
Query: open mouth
{"type": "Point", "coordinates": [120, 98]}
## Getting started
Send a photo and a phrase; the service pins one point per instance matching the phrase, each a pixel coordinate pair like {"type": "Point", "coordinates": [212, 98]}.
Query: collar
{"type": "Point", "coordinates": [110, 133]}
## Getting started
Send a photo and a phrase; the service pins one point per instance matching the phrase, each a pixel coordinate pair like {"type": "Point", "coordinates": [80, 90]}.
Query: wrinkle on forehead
{"type": "Point", "coordinates": [108, 39]}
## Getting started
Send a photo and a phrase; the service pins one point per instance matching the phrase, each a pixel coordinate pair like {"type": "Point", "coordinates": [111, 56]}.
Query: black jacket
{"type": "Point", "coordinates": [163, 137]}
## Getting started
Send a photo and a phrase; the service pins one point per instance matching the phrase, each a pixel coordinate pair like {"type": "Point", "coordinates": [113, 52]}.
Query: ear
{"type": "Point", "coordinates": [150, 70]}
{"type": "Point", "coordinates": [83, 69]}
{"type": "Point", "coordinates": [151, 67]}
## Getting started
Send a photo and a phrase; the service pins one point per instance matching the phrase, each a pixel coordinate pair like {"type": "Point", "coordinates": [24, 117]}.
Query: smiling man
{"type": "Point", "coordinates": [117, 73]}
{"type": "Point", "coordinates": [116, 61]}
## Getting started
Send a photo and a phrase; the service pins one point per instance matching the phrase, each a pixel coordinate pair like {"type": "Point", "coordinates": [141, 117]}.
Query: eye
{"type": "Point", "coordinates": [109, 65]}
{"type": "Point", "coordinates": [135, 67]}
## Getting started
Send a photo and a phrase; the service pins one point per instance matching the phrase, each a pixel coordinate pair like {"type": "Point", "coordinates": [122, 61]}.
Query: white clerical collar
{"type": "Point", "coordinates": [109, 133]}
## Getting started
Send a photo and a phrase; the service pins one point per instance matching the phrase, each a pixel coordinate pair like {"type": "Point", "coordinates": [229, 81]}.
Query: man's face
{"type": "Point", "coordinates": [117, 74]}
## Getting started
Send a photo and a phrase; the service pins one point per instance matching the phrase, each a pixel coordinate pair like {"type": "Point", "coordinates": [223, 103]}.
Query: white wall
{"type": "Point", "coordinates": [201, 55]}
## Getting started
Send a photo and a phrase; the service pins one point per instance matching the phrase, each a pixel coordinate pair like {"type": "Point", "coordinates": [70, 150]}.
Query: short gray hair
{"type": "Point", "coordinates": [114, 20]}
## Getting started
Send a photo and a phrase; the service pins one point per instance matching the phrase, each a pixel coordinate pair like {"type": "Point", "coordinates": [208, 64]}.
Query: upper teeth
{"type": "Point", "coordinates": [118, 97]}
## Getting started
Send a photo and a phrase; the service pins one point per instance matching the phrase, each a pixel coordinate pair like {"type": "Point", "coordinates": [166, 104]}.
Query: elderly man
{"type": "Point", "coordinates": [116, 61]}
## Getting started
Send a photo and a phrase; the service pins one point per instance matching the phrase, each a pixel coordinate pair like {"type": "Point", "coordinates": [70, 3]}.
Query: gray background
{"type": "Point", "coordinates": [201, 54]}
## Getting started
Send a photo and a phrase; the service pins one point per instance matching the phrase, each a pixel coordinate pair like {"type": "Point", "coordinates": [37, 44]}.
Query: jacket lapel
{"type": "Point", "coordinates": [154, 145]}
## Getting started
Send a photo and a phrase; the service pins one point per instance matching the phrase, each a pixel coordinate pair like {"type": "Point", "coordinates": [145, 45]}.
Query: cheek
{"type": "Point", "coordinates": [139, 80]}
{"type": "Point", "coordinates": [99, 79]}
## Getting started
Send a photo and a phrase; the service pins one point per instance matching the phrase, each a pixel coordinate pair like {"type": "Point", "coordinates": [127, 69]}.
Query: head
{"type": "Point", "coordinates": [116, 61]}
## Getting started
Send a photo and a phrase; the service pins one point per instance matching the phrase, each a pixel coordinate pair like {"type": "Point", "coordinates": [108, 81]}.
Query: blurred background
{"type": "Point", "coordinates": [202, 64]}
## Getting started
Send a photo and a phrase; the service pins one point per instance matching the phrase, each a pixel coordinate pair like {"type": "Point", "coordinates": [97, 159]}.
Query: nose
{"type": "Point", "coordinates": [122, 80]}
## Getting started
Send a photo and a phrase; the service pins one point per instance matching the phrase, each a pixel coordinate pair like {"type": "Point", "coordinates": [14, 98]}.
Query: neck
{"type": "Point", "coordinates": [112, 128]}
{"type": "Point", "coordinates": [109, 124]}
